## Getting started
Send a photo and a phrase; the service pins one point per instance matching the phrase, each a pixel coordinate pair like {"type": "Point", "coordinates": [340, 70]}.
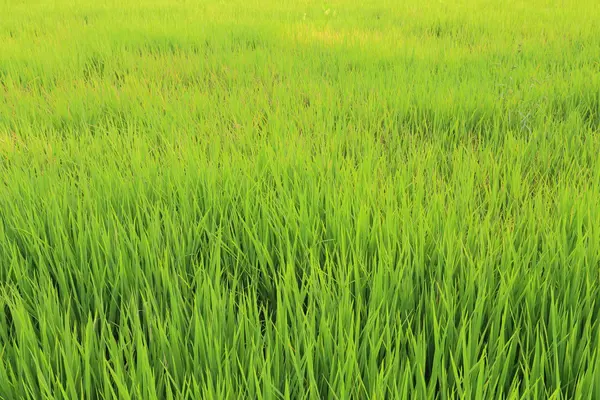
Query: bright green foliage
{"type": "Point", "coordinates": [299, 200]}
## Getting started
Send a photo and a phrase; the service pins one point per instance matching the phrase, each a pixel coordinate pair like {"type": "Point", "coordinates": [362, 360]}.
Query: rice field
{"type": "Point", "coordinates": [299, 200]}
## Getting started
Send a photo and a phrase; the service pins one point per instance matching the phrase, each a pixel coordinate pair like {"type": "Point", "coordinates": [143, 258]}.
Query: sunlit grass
{"type": "Point", "coordinates": [299, 200]}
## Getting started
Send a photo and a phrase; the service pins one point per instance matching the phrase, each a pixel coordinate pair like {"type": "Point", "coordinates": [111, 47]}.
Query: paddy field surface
{"type": "Point", "coordinates": [299, 200]}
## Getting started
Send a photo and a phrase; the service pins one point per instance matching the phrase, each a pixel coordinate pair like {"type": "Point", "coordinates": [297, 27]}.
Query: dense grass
{"type": "Point", "coordinates": [299, 200]}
